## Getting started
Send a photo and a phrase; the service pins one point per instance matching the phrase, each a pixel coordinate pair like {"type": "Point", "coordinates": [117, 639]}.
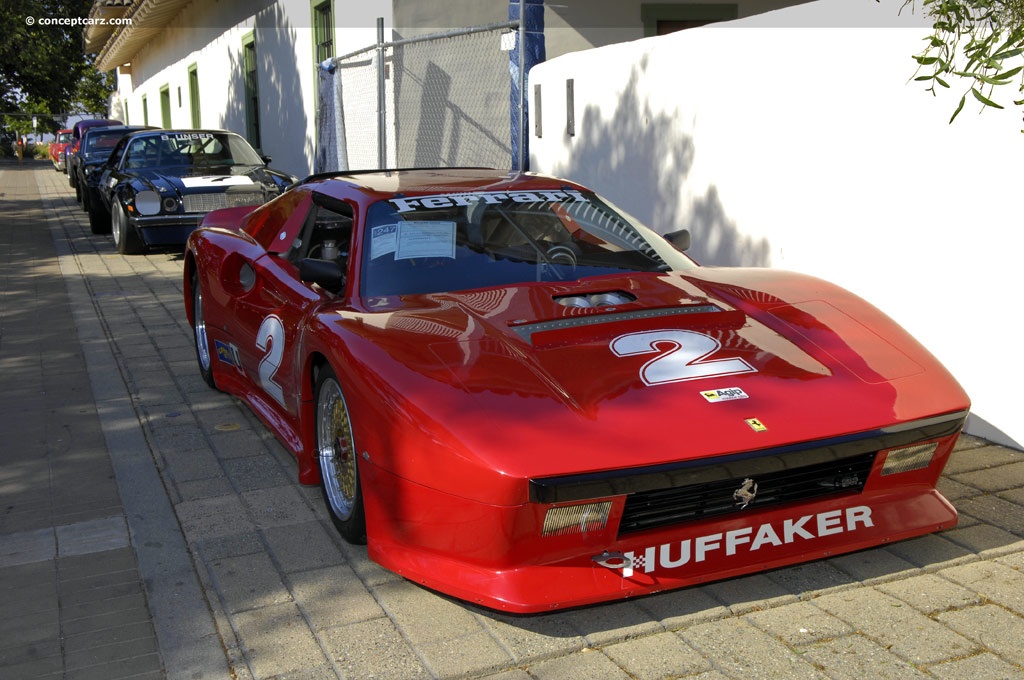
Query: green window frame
{"type": "Point", "coordinates": [193, 96]}
{"type": "Point", "coordinates": [250, 78]}
{"type": "Point", "coordinates": [672, 16]}
{"type": "Point", "coordinates": [165, 106]}
{"type": "Point", "coordinates": [323, 31]}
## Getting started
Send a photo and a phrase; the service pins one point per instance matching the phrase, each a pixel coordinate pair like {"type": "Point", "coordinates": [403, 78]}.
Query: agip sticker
{"type": "Point", "coordinates": [724, 394]}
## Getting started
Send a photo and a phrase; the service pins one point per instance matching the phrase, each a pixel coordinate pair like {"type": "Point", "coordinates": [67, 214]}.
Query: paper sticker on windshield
{"type": "Point", "coordinates": [215, 181]}
{"type": "Point", "coordinates": [724, 394]}
{"type": "Point", "coordinates": [425, 239]}
{"type": "Point", "coordinates": [383, 240]}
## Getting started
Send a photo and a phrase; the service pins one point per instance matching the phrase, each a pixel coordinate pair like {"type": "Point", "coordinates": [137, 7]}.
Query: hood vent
{"type": "Point", "coordinates": [527, 331]}
{"type": "Point", "coordinates": [609, 299]}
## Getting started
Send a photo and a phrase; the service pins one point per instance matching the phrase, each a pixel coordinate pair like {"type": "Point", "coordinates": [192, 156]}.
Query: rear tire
{"type": "Point", "coordinates": [336, 454]}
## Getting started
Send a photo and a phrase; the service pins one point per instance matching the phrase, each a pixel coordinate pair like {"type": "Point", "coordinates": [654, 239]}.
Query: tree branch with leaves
{"type": "Point", "coordinates": [980, 41]}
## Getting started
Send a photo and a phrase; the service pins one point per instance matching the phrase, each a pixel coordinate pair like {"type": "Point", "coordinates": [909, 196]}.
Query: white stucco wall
{"type": "Point", "coordinates": [210, 35]}
{"type": "Point", "coordinates": [795, 140]}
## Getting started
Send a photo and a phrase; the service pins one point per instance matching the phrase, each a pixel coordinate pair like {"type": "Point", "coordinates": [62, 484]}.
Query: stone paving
{"type": "Point", "coordinates": [278, 595]}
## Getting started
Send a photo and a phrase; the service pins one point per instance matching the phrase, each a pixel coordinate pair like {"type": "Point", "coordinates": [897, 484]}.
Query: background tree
{"type": "Point", "coordinates": [43, 70]}
{"type": "Point", "coordinates": [980, 41]}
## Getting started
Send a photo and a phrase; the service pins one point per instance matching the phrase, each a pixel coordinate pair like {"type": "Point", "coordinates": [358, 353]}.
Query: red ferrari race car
{"type": "Point", "coordinates": [519, 396]}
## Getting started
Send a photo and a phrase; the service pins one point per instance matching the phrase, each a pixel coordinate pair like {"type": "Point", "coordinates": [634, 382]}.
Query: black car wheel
{"type": "Point", "coordinates": [336, 453]}
{"type": "Point", "coordinates": [125, 237]}
{"type": "Point", "coordinates": [203, 356]}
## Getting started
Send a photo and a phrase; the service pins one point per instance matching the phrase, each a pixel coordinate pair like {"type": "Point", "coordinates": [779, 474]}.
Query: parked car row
{"type": "Point", "coordinates": [152, 187]}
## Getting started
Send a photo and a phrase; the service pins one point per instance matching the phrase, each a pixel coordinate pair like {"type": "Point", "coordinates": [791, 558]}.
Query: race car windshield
{"type": "Point", "coordinates": [451, 242]}
{"type": "Point", "coordinates": [198, 150]}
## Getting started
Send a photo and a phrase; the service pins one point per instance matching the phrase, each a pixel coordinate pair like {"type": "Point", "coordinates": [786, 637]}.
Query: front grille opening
{"type": "Point", "coordinates": [664, 507]}
{"type": "Point", "coordinates": [202, 203]}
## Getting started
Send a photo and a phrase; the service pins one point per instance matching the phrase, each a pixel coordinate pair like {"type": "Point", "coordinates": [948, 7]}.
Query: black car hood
{"type": "Point", "coordinates": [203, 180]}
{"type": "Point", "coordinates": [212, 179]}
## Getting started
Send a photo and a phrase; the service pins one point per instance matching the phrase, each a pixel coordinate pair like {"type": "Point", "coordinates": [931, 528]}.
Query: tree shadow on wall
{"type": "Point", "coordinates": [281, 115]}
{"type": "Point", "coordinates": [639, 158]}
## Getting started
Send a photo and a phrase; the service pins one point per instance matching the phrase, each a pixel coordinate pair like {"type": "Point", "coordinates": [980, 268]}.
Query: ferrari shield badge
{"type": "Point", "coordinates": [756, 425]}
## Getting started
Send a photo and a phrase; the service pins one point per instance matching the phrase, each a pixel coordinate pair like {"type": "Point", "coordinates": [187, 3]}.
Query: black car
{"type": "Point", "coordinates": [158, 185]}
{"type": "Point", "coordinates": [71, 153]}
{"type": "Point", "coordinates": [93, 152]}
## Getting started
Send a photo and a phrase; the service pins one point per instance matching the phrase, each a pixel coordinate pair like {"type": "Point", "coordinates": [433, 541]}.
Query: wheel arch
{"type": "Point", "coordinates": [309, 470]}
{"type": "Point", "coordinates": [189, 272]}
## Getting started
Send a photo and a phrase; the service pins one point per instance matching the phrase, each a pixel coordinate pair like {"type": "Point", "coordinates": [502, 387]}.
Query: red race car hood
{"type": "Point", "coordinates": [519, 381]}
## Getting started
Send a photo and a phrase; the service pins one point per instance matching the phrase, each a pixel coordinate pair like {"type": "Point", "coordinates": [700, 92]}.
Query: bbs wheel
{"type": "Point", "coordinates": [337, 456]}
{"type": "Point", "coordinates": [203, 357]}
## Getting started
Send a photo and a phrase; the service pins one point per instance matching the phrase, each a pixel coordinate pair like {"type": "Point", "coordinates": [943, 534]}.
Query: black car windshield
{"type": "Point", "coordinates": [451, 242]}
{"type": "Point", "coordinates": [199, 150]}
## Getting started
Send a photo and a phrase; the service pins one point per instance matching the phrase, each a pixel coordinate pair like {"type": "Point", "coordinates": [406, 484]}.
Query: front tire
{"type": "Point", "coordinates": [125, 237]}
{"type": "Point", "coordinates": [336, 453]}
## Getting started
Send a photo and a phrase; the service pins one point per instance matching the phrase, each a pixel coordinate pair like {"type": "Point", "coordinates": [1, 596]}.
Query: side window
{"type": "Point", "coordinates": [326, 235]}
{"type": "Point", "coordinates": [136, 156]}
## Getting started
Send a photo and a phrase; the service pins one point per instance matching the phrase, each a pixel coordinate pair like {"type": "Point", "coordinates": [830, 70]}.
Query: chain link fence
{"type": "Point", "coordinates": [444, 100]}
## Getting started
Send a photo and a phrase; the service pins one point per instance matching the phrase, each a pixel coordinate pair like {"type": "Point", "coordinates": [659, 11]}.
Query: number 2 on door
{"type": "Point", "coordinates": [270, 340]}
{"type": "Point", "coordinates": [681, 355]}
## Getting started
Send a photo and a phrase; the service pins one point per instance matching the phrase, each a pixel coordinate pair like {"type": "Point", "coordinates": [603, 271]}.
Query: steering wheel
{"type": "Point", "coordinates": [564, 254]}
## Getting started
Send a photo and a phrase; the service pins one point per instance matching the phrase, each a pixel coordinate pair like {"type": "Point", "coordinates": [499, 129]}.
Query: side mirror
{"type": "Point", "coordinates": [325, 273]}
{"type": "Point", "coordinates": [680, 239]}
{"type": "Point", "coordinates": [266, 159]}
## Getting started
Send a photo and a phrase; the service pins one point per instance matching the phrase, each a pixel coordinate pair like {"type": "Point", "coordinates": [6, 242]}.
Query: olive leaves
{"type": "Point", "coordinates": [981, 41]}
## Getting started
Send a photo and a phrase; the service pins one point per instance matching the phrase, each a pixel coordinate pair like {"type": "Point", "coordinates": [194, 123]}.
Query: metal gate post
{"type": "Point", "coordinates": [529, 52]}
{"type": "Point", "coordinates": [521, 161]}
{"type": "Point", "coordinates": [382, 148]}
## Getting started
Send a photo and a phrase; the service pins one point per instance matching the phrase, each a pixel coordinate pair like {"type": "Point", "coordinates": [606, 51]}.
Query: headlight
{"type": "Point", "coordinates": [908, 458]}
{"type": "Point", "coordinates": [576, 519]}
{"type": "Point", "coordinates": [170, 204]}
{"type": "Point", "coordinates": [147, 203]}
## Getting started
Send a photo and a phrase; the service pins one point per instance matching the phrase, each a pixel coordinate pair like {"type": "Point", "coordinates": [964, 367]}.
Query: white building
{"type": "Point", "coordinates": [250, 65]}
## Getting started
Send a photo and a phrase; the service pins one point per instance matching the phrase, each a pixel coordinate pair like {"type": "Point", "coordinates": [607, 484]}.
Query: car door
{"type": "Point", "coordinates": [274, 307]}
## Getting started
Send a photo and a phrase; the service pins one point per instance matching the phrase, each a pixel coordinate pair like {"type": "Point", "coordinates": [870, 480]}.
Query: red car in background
{"type": "Point", "coordinates": [517, 395]}
{"type": "Point", "coordinates": [57, 148]}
